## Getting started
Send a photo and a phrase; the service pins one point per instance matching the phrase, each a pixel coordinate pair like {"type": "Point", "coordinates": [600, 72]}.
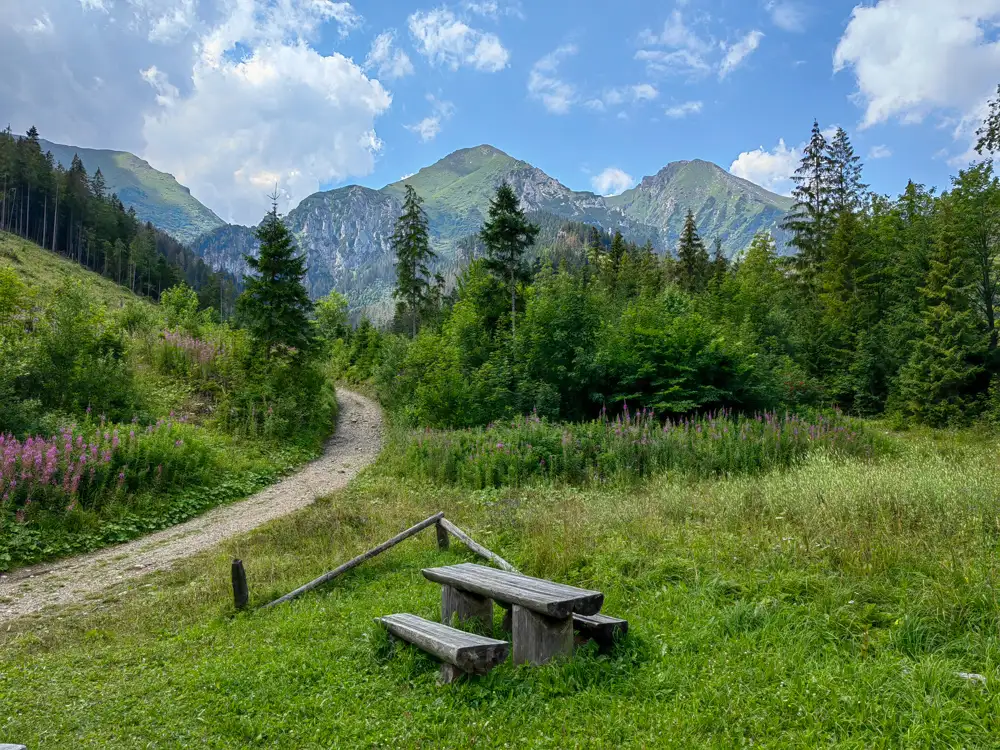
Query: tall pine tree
{"type": "Point", "coordinates": [692, 257]}
{"type": "Point", "coordinates": [507, 234]}
{"type": "Point", "coordinates": [275, 307]}
{"type": "Point", "coordinates": [847, 191]}
{"type": "Point", "coordinates": [809, 219]}
{"type": "Point", "coordinates": [411, 242]}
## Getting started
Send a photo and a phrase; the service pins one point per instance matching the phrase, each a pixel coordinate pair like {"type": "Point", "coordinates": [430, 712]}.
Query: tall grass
{"type": "Point", "coordinates": [628, 447]}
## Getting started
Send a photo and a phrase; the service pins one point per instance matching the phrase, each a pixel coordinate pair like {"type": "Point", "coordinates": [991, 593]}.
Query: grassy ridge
{"type": "Point", "coordinates": [829, 604]}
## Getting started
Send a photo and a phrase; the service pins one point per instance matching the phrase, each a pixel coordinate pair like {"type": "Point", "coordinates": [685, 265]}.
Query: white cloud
{"type": "Point", "coordinates": [737, 53]}
{"type": "Point", "coordinates": [683, 110]}
{"type": "Point", "coordinates": [94, 5]}
{"type": "Point", "coordinates": [880, 152]}
{"type": "Point", "coordinates": [769, 169]}
{"type": "Point", "coordinates": [686, 53]}
{"type": "Point", "coordinates": [544, 84]}
{"type": "Point", "coordinates": [787, 15]}
{"type": "Point", "coordinates": [612, 181]}
{"type": "Point", "coordinates": [280, 112]}
{"type": "Point", "coordinates": [914, 57]}
{"type": "Point", "coordinates": [41, 26]}
{"type": "Point", "coordinates": [430, 126]}
{"type": "Point", "coordinates": [494, 9]}
{"type": "Point", "coordinates": [174, 23]}
{"type": "Point", "coordinates": [444, 39]}
{"type": "Point", "coordinates": [635, 94]}
{"type": "Point", "coordinates": [407, 176]}
{"type": "Point", "coordinates": [388, 62]}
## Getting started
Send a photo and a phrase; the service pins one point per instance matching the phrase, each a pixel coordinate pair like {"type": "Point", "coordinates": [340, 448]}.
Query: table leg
{"type": "Point", "coordinates": [470, 610]}
{"type": "Point", "coordinates": [539, 639]}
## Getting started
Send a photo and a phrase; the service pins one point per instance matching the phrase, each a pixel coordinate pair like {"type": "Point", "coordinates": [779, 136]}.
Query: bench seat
{"type": "Point", "coordinates": [600, 628]}
{"type": "Point", "coordinates": [465, 652]}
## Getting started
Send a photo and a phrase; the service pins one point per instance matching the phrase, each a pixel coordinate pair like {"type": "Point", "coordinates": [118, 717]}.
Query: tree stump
{"type": "Point", "coordinates": [471, 610]}
{"type": "Point", "coordinates": [539, 639]}
{"type": "Point", "coordinates": [241, 594]}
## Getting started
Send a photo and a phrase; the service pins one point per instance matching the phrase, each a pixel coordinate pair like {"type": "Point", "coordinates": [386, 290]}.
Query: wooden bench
{"type": "Point", "coordinates": [600, 628]}
{"type": "Point", "coordinates": [460, 652]}
{"type": "Point", "coordinates": [541, 612]}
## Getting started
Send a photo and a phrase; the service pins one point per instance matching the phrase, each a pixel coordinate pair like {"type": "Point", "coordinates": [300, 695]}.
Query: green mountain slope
{"type": "Point", "coordinates": [156, 196]}
{"type": "Point", "coordinates": [726, 207]}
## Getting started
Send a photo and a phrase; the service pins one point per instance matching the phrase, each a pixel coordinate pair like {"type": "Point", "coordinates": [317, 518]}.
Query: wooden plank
{"type": "Point", "coordinates": [539, 639]}
{"type": "Point", "coordinates": [544, 597]}
{"type": "Point", "coordinates": [241, 594]}
{"type": "Point", "coordinates": [479, 549]}
{"type": "Point", "coordinates": [600, 628]}
{"type": "Point", "coordinates": [357, 560]}
{"type": "Point", "coordinates": [469, 652]}
{"type": "Point", "coordinates": [472, 611]}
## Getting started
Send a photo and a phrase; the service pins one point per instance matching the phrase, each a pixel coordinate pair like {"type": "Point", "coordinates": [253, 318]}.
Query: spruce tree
{"type": "Point", "coordinates": [507, 234]}
{"type": "Point", "coordinates": [847, 191]}
{"type": "Point", "coordinates": [934, 385]}
{"type": "Point", "coordinates": [692, 257]}
{"type": "Point", "coordinates": [275, 307]}
{"type": "Point", "coordinates": [411, 243]}
{"type": "Point", "coordinates": [720, 264]}
{"type": "Point", "coordinates": [809, 219]}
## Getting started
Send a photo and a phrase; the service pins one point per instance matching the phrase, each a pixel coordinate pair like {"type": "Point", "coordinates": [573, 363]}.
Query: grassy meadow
{"type": "Point", "coordinates": [834, 602]}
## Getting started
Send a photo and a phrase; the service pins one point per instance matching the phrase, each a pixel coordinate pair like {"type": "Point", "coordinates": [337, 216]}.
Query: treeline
{"type": "Point", "coordinates": [72, 213]}
{"type": "Point", "coordinates": [888, 306]}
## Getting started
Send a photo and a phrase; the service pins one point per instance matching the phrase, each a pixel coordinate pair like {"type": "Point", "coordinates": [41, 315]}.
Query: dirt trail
{"type": "Point", "coordinates": [355, 444]}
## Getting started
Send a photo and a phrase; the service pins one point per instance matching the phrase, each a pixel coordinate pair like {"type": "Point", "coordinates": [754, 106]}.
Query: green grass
{"type": "Point", "coordinates": [46, 272]}
{"type": "Point", "coordinates": [830, 604]}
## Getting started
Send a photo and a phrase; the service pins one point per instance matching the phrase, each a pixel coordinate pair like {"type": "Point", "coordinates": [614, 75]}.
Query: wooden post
{"type": "Point", "coordinates": [539, 639]}
{"type": "Point", "coordinates": [470, 609]}
{"type": "Point", "coordinates": [442, 536]}
{"type": "Point", "coordinates": [241, 594]}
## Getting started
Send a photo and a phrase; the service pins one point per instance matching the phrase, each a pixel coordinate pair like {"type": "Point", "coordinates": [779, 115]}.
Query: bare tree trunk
{"type": "Point", "coordinates": [3, 204]}
{"type": "Point", "coordinates": [55, 221]}
{"type": "Point", "coordinates": [45, 220]}
{"type": "Point", "coordinates": [27, 214]}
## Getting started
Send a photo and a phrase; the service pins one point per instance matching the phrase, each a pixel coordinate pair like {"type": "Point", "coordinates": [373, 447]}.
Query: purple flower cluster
{"type": "Point", "coordinates": [195, 349]}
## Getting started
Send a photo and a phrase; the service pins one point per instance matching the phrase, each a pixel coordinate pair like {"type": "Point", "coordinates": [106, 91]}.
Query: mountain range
{"type": "Point", "coordinates": [345, 233]}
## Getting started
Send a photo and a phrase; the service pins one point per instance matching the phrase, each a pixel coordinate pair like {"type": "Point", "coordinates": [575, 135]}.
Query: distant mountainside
{"type": "Point", "coordinates": [156, 196]}
{"type": "Point", "coordinates": [345, 233]}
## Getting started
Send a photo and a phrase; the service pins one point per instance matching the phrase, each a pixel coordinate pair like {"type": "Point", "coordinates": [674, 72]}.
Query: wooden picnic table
{"type": "Point", "coordinates": [542, 612]}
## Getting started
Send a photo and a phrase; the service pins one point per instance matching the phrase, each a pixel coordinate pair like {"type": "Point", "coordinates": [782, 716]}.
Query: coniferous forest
{"type": "Point", "coordinates": [887, 305]}
{"type": "Point", "coordinates": [73, 214]}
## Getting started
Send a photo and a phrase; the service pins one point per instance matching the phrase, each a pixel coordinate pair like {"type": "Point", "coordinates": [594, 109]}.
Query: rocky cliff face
{"type": "Point", "coordinates": [345, 233]}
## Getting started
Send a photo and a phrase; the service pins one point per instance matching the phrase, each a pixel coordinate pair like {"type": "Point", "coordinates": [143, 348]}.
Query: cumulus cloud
{"type": "Point", "coordinates": [880, 152]}
{"type": "Point", "coordinates": [444, 39]}
{"type": "Point", "coordinates": [493, 8]}
{"type": "Point", "coordinates": [683, 110]}
{"type": "Point", "coordinates": [388, 62]}
{"type": "Point", "coordinates": [737, 53]}
{"type": "Point", "coordinates": [545, 85]}
{"type": "Point", "coordinates": [914, 57]}
{"type": "Point", "coordinates": [612, 181]}
{"type": "Point", "coordinates": [430, 126]}
{"type": "Point", "coordinates": [787, 15]}
{"type": "Point", "coordinates": [770, 169]}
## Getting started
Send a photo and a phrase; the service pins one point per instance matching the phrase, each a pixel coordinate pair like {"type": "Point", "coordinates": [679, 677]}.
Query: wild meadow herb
{"type": "Point", "coordinates": [179, 353]}
{"type": "Point", "coordinates": [626, 447]}
{"type": "Point", "coordinates": [91, 464]}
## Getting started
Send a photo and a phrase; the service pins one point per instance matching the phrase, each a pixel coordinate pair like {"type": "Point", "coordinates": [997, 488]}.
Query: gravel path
{"type": "Point", "coordinates": [355, 444]}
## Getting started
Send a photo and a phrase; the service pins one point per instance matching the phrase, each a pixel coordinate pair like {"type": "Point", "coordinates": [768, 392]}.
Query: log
{"type": "Point", "coordinates": [475, 546]}
{"type": "Point", "coordinates": [241, 594]}
{"type": "Point", "coordinates": [470, 610]}
{"type": "Point", "coordinates": [539, 639]}
{"type": "Point", "coordinates": [5, 746]}
{"type": "Point", "coordinates": [357, 560]}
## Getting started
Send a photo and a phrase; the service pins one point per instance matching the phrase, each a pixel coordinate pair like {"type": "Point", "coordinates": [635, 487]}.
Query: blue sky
{"type": "Point", "coordinates": [232, 95]}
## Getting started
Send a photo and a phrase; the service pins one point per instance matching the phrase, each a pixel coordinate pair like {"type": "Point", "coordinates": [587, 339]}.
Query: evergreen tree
{"type": "Point", "coordinates": [411, 243]}
{"type": "Point", "coordinates": [847, 191]}
{"type": "Point", "coordinates": [275, 307]}
{"type": "Point", "coordinates": [692, 257]}
{"type": "Point", "coordinates": [809, 219]}
{"type": "Point", "coordinates": [98, 186]}
{"type": "Point", "coordinates": [507, 234]}
{"type": "Point", "coordinates": [934, 386]}
{"type": "Point", "coordinates": [720, 264]}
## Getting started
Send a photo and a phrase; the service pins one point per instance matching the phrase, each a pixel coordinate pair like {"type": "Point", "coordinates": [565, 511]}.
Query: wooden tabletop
{"type": "Point", "coordinates": [545, 597]}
